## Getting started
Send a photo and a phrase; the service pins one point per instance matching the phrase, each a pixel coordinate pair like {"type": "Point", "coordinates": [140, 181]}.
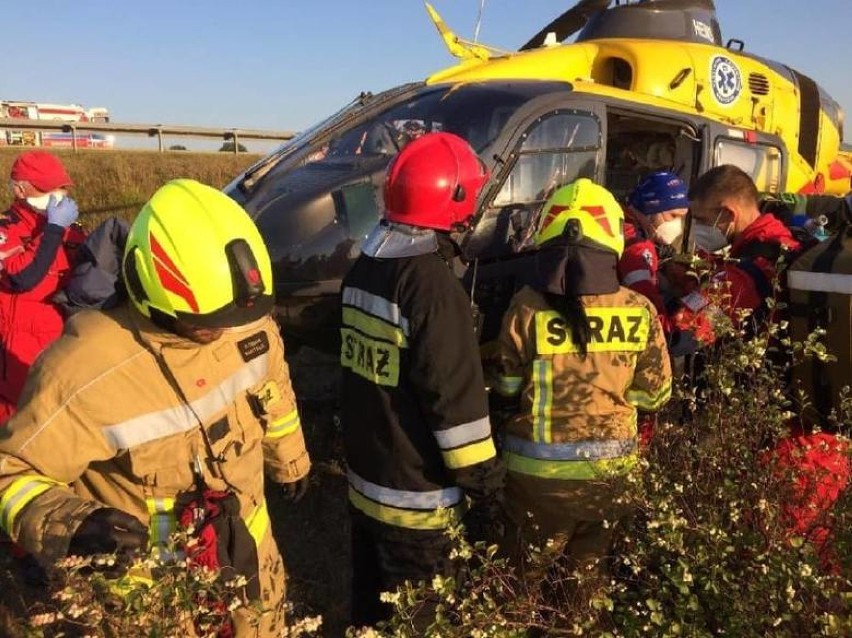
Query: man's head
{"type": "Point", "coordinates": [659, 205]}
{"type": "Point", "coordinates": [413, 130]}
{"type": "Point", "coordinates": [195, 262]}
{"type": "Point", "coordinates": [434, 183]}
{"type": "Point", "coordinates": [35, 176]}
{"type": "Point", "coordinates": [726, 198]}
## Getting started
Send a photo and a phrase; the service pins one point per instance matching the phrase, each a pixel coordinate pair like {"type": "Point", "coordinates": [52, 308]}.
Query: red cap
{"type": "Point", "coordinates": [43, 170]}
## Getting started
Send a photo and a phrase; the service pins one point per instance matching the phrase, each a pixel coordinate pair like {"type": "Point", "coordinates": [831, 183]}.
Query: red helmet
{"type": "Point", "coordinates": [434, 183]}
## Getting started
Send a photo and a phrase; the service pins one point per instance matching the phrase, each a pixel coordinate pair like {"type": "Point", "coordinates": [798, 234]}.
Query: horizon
{"type": "Point", "coordinates": [173, 73]}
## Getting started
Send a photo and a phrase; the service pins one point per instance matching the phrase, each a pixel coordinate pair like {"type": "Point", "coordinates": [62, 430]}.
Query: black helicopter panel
{"type": "Point", "coordinates": [681, 20]}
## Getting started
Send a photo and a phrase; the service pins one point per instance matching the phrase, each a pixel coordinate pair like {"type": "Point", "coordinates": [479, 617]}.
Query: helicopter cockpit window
{"type": "Point", "coordinates": [313, 207]}
{"type": "Point", "coordinates": [761, 161]}
{"type": "Point", "coordinates": [556, 151]}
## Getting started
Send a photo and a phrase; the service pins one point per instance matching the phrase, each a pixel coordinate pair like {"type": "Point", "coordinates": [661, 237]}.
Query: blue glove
{"type": "Point", "coordinates": [63, 212]}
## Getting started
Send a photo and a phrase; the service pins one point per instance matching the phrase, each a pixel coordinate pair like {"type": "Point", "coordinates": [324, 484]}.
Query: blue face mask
{"type": "Point", "coordinates": [708, 238]}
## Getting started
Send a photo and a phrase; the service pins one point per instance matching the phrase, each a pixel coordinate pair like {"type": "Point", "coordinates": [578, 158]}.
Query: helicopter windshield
{"type": "Point", "coordinates": [315, 205]}
{"type": "Point", "coordinates": [475, 112]}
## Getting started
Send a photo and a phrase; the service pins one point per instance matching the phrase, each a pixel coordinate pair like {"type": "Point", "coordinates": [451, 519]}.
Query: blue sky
{"type": "Point", "coordinates": [283, 64]}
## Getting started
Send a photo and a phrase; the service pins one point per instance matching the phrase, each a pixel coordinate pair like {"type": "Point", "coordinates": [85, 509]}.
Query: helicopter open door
{"type": "Point", "coordinates": [553, 141]}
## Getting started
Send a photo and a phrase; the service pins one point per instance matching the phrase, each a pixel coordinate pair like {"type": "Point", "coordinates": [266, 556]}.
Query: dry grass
{"type": "Point", "coordinates": [120, 182]}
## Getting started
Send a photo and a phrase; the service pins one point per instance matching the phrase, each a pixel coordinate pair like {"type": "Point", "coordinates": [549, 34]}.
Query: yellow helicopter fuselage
{"type": "Point", "coordinates": [709, 82]}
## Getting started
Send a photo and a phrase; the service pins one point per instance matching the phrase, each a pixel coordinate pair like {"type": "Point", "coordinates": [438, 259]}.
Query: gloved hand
{"type": "Point", "coordinates": [296, 490]}
{"type": "Point", "coordinates": [108, 531]}
{"type": "Point", "coordinates": [484, 522]}
{"type": "Point", "coordinates": [63, 212]}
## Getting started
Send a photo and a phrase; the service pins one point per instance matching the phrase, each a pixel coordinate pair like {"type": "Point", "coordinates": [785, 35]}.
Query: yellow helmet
{"type": "Point", "coordinates": [194, 254]}
{"type": "Point", "coordinates": [582, 210]}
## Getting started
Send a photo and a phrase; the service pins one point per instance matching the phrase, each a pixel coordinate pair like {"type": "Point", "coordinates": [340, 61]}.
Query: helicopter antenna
{"type": "Point", "coordinates": [478, 20]}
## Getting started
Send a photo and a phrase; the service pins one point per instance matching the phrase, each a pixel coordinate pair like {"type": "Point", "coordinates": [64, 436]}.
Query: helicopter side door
{"type": "Point", "coordinates": [553, 141]}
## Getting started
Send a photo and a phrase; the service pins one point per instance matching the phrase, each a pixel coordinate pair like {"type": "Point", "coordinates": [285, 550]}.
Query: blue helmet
{"type": "Point", "coordinates": [659, 192]}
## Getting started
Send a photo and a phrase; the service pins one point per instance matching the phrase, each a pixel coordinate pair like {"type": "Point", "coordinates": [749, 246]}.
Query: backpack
{"type": "Point", "coordinates": [820, 296]}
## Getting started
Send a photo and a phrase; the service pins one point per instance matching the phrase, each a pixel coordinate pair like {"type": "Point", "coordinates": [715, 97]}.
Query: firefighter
{"type": "Point", "coordinates": [582, 354]}
{"type": "Point", "coordinates": [417, 432]}
{"type": "Point", "coordinates": [182, 396]}
{"type": "Point", "coordinates": [38, 238]}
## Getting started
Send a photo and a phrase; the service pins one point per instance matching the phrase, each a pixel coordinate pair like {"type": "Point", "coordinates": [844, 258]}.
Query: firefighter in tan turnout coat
{"type": "Point", "coordinates": [583, 355]}
{"type": "Point", "coordinates": [133, 410]}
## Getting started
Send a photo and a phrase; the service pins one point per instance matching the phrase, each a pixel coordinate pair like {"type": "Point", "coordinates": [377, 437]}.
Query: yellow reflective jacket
{"type": "Point", "coordinates": [578, 415]}
{"type": "Point", "coordinates": [116, 411]}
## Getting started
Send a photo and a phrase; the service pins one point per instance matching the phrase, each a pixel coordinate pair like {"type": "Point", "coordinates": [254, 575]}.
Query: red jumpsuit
{"type": "Point", "coordinates": [29, 321]}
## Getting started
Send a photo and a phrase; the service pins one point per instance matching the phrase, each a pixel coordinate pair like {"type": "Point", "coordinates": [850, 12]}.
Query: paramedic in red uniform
{"type": "Point", "coordinates": [37, 240]}
{"type": "Point", "coordinates": [725, 202]}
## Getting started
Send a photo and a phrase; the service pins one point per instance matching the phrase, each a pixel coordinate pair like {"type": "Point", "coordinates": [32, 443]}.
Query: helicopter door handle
{"type": "Point", "coordinates": [679, 78]}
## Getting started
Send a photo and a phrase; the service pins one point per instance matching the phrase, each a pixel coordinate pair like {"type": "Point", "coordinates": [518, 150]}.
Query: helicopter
{"type": "Point", "coordinates": [645, 85]}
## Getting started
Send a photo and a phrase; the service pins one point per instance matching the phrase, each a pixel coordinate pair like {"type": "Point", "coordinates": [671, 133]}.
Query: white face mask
{"type": "Point", "coordinates": [669, 232]}
{"type": "Point", "coordinates": [40, 203]}
{"type": "Point", "coordinates": [708, 237]}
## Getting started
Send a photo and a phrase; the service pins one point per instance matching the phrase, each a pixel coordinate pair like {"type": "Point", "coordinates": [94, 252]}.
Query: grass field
{"type": "Point", "coordinates": [120, 182]}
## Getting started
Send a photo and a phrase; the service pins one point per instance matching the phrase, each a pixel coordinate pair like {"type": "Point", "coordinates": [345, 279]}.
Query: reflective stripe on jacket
{"type": "Point", "coordinates": [415, 414]}
{"type": "Point", "coordinates": [116, 412]}
{"type": "Point", "coordinates": [578, 416]}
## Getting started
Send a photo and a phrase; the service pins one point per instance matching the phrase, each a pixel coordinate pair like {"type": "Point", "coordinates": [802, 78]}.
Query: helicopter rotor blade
{"type": "Point", "coordinates": [568, 23]}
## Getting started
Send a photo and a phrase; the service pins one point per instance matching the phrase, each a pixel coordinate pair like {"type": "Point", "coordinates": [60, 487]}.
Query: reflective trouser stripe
{"type": "Point", "coordinates": [542, 379]}
{"type": "Point", "coordinates": [650, 402]}
{"type": "Point", "coordinates": [287, 424]}
{"type": "Point", "coordinates": [258, 523]}
{"type": "Point", "coordinates": [509, 386]}
{"type": "Point", "coordinates": [411, 519]}
{"type": "Point", "coordinates": [569, 470]}
{"type": "Point", "coordinates": [163, 521]}
{"type": "Point", "coordinates": [19, 494]}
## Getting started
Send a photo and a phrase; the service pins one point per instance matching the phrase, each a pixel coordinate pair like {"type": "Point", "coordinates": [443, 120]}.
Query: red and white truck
{"type": "Point", "coordinates": [53, 112]}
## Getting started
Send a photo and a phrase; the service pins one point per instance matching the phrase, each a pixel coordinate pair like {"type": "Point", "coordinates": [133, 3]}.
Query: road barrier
{"type": "Point", "coordinates": [150, 130]}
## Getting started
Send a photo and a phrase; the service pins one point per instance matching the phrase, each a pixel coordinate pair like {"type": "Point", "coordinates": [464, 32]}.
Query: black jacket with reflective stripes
{"type": "Point", "coordinates": [417, 433]}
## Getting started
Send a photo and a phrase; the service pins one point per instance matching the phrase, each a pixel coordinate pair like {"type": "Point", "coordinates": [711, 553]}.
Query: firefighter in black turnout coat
{"type": "Point", "coordinates": [417, 433]}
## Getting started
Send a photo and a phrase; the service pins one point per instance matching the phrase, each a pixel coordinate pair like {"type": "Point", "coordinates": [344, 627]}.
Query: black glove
{"type": "Point", "coordinates": [296, 490]}
{"type": "Point", "coordinates": [484, 522]}
{"type": "Point", "coordinates": [108, 531]}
